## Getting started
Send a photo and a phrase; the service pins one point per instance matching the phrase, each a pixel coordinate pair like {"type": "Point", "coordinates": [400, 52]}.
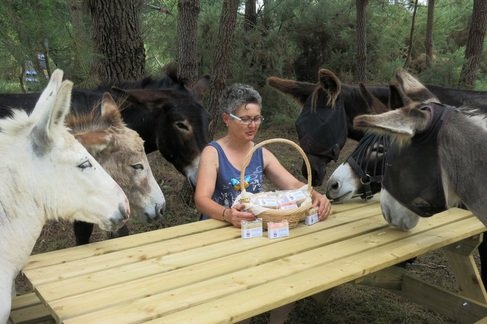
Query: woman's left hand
{"type": "Point", "coordinates": [322, 204]}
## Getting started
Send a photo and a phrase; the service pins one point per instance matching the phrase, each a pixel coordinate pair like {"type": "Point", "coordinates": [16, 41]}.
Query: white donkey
{"type": "Point", "coordinates": [47, 174]}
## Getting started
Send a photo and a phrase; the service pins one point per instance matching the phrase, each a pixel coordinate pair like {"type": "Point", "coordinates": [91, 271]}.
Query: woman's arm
{"type": "Point", "coordinates": [205, 187]}
{"type": "Point", "coordinates": [205, 184]}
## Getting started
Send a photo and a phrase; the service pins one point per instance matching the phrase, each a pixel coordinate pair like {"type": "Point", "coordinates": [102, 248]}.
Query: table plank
{"type": "Point", "coordinates": [78, 267]}
{"type": "Point", "coordinates": [122, 243]}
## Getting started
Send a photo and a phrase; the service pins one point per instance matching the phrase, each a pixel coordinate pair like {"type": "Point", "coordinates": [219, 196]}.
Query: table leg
{"type": "Point", "coordinates": [462, 263]}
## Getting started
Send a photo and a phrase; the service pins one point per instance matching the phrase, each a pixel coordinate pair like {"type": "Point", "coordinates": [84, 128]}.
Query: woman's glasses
{"type": "Point", "coordinates": [246, 120]}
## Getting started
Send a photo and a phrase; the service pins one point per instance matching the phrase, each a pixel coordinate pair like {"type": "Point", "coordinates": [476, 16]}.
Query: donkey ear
{"type": "Point", "coordinates": [129, 94]}
{"type": "Point", "coordinates": [298, 90]}
{"type": "Point", "coordinates": [374, 105]}
{"type": "Point", "coordinates": [199, 88]}
{"type": "Point", "coordinates": [118, 91]}
{"type": "Point", "coordinates": [110, 110]}
{"type": "Point", "coordinates": [171, 70]}
{"type": "Point", "coordinates": [48, 96]}
{"type": "Point", "coordinates": [50, 118]}
{"type": "Point", "coordinates": [396, 97]}
{"type": "Point", "coordinates": [397, 123]}
{"type": "Point", "coordinates": [125, 94]}
{"type": "Point", "coordinates": [411, 87]}
{"type": "Point", "coordinates": [145, 96]}
{"type": "Point", "coordinates": [329, 82]}
{"type": "Point", "coordinates": [62, 105]}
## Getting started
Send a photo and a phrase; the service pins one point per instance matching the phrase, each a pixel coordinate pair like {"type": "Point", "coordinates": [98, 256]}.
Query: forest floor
{"type": "Point", "coordinates": [349, 303]}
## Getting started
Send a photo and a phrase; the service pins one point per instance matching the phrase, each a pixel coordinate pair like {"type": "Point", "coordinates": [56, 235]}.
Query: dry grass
{"type": "Point", "coordinates": [348, 303]}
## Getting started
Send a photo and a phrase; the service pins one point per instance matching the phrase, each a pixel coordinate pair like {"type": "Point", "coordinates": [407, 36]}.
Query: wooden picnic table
{"type": "Point", "coordinates": [204, 272]}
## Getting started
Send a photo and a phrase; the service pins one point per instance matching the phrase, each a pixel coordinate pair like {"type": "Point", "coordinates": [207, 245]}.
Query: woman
{"type": "Point", "coordinates": [218, 183]}
{"type": "Point", "coordinates": [220, 163]}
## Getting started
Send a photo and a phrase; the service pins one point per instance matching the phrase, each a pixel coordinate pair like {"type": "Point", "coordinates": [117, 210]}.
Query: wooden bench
{"type": "Point", "coordinates": [28, 308]}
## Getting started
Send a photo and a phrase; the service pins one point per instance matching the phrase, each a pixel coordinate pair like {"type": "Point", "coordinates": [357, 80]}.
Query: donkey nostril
{"type": "Point", "coordinates": [125, 212]}
{"type": "Point", "coordinates": [161, 211]}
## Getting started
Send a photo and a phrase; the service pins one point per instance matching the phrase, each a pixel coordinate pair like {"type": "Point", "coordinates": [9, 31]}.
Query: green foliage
{"type": "Point", "coordinates": [292, 38]}
{"type": "Point", "coordinates": [159, 34]}
{"type": "Point", "coordinates": [319, 35]}
{"type": "Point", "coordinates": [208, 33]}
{"type": "Point", "coordinates": [445, 70]}
{"type": "Point", "coordinates": [278, 109]}
{"type": "Point", "coordinates": [29, 28]}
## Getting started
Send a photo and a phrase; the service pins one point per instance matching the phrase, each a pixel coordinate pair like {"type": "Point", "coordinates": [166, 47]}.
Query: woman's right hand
{"type": "Point", "coordinates": [236, 214]}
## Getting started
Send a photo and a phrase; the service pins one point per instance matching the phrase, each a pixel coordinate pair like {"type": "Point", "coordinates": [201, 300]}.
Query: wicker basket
{"type": "Point", "coordinates": [293, 216]}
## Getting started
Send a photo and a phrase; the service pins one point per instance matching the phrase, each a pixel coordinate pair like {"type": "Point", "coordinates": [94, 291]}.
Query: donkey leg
{"type": "Point", "coordinates": [82, 232]}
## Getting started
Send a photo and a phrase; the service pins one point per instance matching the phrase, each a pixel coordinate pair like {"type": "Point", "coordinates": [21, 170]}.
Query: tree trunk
{"type": "Point", "coordinates": [250, 15]}
{"type": "Point", "coordinates": [250, 22]}
{"type": "Point", "coordinates": [361, 7]}
{"type": "Point", "coordinates": [428, 43]}
{"type": "Point", "coordinates": [475, 43]}
{"type": "Point", "coordinates": [411, 35]}
{"type": "Point", "coordinates": [226, 29]}
{"type": "Point", "coordinates": [187, 58]}
{"type": "Point", "coordinates": [83, 46]}
{"type": "Point", "coordinates": [117, 39]}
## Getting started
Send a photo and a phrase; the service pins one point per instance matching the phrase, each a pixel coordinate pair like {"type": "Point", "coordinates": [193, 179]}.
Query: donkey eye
{"type": "Point", "coordinates": [137, 166]}
{"type": "Point", "coordinates": [86, 164]}
{"type": "Point", "coordinates": [182, 125]}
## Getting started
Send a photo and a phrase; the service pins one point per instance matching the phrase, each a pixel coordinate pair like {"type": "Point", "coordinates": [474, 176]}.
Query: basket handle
{"type": "Point", "coordinates": [269, 141]}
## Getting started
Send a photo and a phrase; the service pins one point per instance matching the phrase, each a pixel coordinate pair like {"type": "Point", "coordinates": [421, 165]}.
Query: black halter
{"type": "Point", "coordinates": [361, 164]}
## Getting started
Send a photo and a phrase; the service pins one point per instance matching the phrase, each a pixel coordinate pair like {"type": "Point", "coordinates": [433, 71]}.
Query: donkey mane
{"type": "Point", "coordinates": [17, 123]}
{"type": "Point", "coordinates": [148, 82]}
{"type": "Point", "coordinates": [125, 140]}
{"type": "Point", "coordinates": [93, 120]}
{"type": "Point", "coordinates": [12, 124]}
{"type": "Point", "coordinates": [170, 80]}
{"type": "Point", "coordinates": [476, 114]}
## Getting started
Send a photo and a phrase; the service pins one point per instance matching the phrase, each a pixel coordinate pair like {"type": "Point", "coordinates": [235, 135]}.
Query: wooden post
{"type": "Point", "coordinates": [463, 265]}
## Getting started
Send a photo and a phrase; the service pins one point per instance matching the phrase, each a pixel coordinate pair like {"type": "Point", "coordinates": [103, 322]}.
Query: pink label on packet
{"type": "Point", "coordinates": [278, 229]}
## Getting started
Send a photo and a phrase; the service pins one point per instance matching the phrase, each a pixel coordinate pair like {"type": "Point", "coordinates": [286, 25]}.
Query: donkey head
{"type": "Point", "coordinates": [68, 181]}
{"type": "Point", "coordinates": [120, 151]}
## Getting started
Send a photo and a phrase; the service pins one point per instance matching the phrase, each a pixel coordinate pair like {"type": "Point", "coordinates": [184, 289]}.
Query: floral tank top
{"type": "Point", "coordinates": [227, 186]}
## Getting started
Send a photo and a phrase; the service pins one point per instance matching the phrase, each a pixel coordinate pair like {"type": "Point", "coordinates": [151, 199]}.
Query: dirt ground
{"type": "Point", "coordinates": [348, 303]}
